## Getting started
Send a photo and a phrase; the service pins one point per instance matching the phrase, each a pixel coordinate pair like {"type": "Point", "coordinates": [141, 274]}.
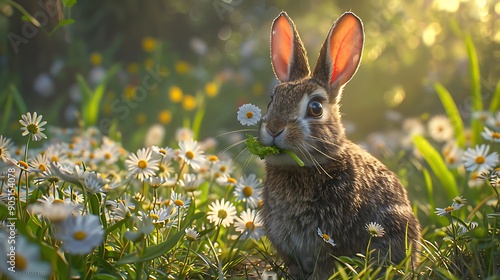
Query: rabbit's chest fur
{"type": "Point", "coordinates": [359, 190]}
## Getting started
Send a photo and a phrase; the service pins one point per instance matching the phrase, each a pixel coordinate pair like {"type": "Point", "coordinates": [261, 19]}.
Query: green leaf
{"type": "Point", "coordinates": [260, 150]}
{"type": "Point", "coordinates": [437, 165]}
{"type": "Point", "coordinates": [475, 84]}
{"type": "Point", "coordinates": [495, 100]}
{"type": "Point", "coordinates": [92, 98]}
{"type": "Point", "coordinates": [117, 225]}
{"type": "Point", "coordinates": [452, 112]}
{"type": "Point", "coordinates": [430, 190]}
{"type": "Point", "coordinates": [61, 24]}
{"type": "Point", "coordinates": [160, 249]}
{"type": "Point", "coordinates": [69, 3]}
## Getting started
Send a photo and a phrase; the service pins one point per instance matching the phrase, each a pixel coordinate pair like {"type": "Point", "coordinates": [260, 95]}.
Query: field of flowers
{"type": "Point", "coordinates": [147, 169]}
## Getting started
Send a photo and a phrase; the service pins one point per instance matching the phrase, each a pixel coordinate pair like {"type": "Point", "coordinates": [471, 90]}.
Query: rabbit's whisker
{"type": "Point", "coordinates": [322, 153]}
{"type": "Point", "coordinates": [236, 131]}
{"type": "Point", "coordinates": [232, 146]}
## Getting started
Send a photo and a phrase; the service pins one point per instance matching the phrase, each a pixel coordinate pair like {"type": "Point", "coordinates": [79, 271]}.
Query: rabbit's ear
{"type": "Point", "coordinates": [340, 54]}
{"type": "Point", "coordinates": [288, 55]}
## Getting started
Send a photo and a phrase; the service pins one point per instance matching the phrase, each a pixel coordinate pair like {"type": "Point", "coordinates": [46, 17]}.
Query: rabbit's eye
{"type": "Point", "coordinates": [314, 109]}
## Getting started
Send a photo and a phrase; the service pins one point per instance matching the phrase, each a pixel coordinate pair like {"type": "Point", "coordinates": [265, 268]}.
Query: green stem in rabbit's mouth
{"type": "Point", "coordinates": [256, 148]}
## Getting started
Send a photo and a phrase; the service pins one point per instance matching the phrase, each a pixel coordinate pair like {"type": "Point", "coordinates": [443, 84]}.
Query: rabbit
{"type": "Point", "coordinates": [341, 187]}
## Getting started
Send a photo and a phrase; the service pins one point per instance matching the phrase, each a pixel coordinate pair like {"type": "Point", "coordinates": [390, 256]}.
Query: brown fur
{"type": "Point", "coordinates": [342, 187]}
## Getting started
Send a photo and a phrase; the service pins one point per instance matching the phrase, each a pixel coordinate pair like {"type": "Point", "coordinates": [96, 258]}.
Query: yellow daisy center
{"type": "Point", "coordinates": [58, 201]}
{"type": "Point", "coordinates": [213, 158]}
{"type": "Point", "coordinates": [54, 159]}
{"type": "Point", "coordinates": [23, 164]}
{"type": "Point", "coordinates": [495, 135]}
{"type": "Point", "coordinates": [249, 115]}
{"type": "Point", "coordinates": [107, 155]}
{"type": "Point", "coordinates": [142, 164]}
{"type": "Point", "coordinates": [1, 151]}
{"type": "Point", "coordinates": [222, 214]}
{"type": "Point", "coordinates": [21, 262]}
{"type": "Point", "coordinates": [79, 235]}
{"type": "Point", "coordinates": [223, 168]}
{"type": "Point", "coordinates": [179, 202]}
{"type": "Point", "coordinates": [449, 208]}
{"type": "Point", "coordinates": [189, 154]}
{"type": "Point", "coordinates": [154, 216]}
{"type": "Point", "coordinates": [325, 236]}
{"type": "Point", "coordinates": [32, 128]}
{"type": "Point", "coordinates": [480, 160]}
{"type": "Point", "coordinates": [231, 180]}
{"type": "Point", "coordinates": [42, 167]}
{"type": "Point", "coordinates": [250, 225]}
{"type": "Point", "coordinates": [162, 151]}
{"type": "Point", "coordinates": [247, 191]}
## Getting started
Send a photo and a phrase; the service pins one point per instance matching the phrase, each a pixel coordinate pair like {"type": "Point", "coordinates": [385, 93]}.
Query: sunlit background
{"type": "Point", "coordinates": [168, 63]}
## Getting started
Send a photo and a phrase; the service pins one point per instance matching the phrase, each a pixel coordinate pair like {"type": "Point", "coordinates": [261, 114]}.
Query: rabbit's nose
{"type": "Point", "coordinates": [275, 127]}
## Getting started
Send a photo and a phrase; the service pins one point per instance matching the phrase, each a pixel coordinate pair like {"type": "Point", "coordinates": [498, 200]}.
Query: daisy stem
{"type": "Point", "coordinates": [217, 232]}
{"type": "Point", "coordinates": [185, 260]}
{"type": "Point", "coordinates": [179, 220]}
{"type": "Point", "coordinates": [234, 244]}
{"type": "Point", "coordinates": [368, 254]}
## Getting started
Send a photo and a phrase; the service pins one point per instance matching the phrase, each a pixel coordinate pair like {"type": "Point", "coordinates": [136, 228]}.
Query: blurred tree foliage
{"type": "Point", "coordinates": [408, 46]}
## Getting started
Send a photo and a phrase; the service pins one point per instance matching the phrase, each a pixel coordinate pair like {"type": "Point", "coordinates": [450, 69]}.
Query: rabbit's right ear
{"type": "Point", "coordinates": [288, 55]}
{"type": "Point", "coordinates": [340, 54]}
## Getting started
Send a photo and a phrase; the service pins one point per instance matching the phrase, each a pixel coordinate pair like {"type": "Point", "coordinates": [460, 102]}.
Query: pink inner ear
{"type": "Point", "coordinates": [281, 47]}
{"type": "Point", "coordinates": [346, 43]}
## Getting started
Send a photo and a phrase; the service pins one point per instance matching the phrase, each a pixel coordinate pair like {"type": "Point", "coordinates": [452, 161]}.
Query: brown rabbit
{"type": "Point", "coordinates": [341, 188]}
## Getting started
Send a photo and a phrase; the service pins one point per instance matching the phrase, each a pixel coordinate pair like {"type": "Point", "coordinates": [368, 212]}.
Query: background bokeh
{"type": "Point", "coordinates": [162, 62]}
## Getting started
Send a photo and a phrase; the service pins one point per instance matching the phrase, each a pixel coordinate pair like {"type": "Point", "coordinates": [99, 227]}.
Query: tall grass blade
{"type": "Point", "coordinates": [475, 84]}
{"type": "Point", "coordinates": [437, 165]}
{"type": "Point", "coordinates": [452, 112]}
{"type": "Point", "coordinates": [495, 100]}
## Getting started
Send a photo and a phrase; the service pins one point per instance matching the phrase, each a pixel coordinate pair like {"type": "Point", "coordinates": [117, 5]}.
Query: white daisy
{"type": "Point", "coordinates": [225, 181]}
{"type": "Point", "coordinates": [444, 211]}
{"type": "Point", "coordinates": [26, 259]}
{"type": "Point", "coordinates": [191, 153]}
{"type": "Point", "coordinates": [80, 234]}
{"type": "Point", "coordinates": [249, 114]}
{"type": "Point", "coordinates": [32, 125]}
{"type": "Point", "coordinates": [40, 163]}
{"type": "Point", "coordinates": [490, 135]}
{"type": "Point", "coordinates": [94, 183]}
{"type": "Point", "coordinates": [248, 189]}
{"type": "Point", "coordinates": [452, 154]}
{"type": "Point", "coordinates": [249, 223]}
{"type": "Point", "coordinates": [375, 229]}
{"type": "Point", "coordinates": [326, 237]}
{"type": "Point", "coordinates": [142, 165]}
{"type": "Point", "coordinates": [143, 226]}
{"type": "Point", "coordinates": [458, 202]}
{"type": "Point", "coordinates": [5, 146]}
{"type": "Point", "coordinates": [478, 159]}
{"type": "Point", "coordinates": [162, 216]}
{"type": "Point", "coordinates": [494, 121]}
{"type": "Point", "coordinates": [494, 178]}
{"type": "Point", "coordinates": [179, 200]}
{"type": "Point", "coordinates": [190, 182]}
{"type": "Point", "coordinates": [156, 182]}
{"type": "Point", "coordinates": [221, 213]}
{"type": "Point", "coordinates": [440, 128]}
{"type": "Point", "coordinates": [108, 153]}
{"type": "Point", "coordinates": [166, 153]}
{"type": "Point", "coordinates": [54, 212]}
{"type": "Point", "coordinates": [192, 234]}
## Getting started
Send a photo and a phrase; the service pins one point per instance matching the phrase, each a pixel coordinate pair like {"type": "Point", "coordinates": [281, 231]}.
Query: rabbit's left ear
{"type": "Point", "coordinates": [340, 54]}
{"type": "Point", "coordinates": [288, 55]}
